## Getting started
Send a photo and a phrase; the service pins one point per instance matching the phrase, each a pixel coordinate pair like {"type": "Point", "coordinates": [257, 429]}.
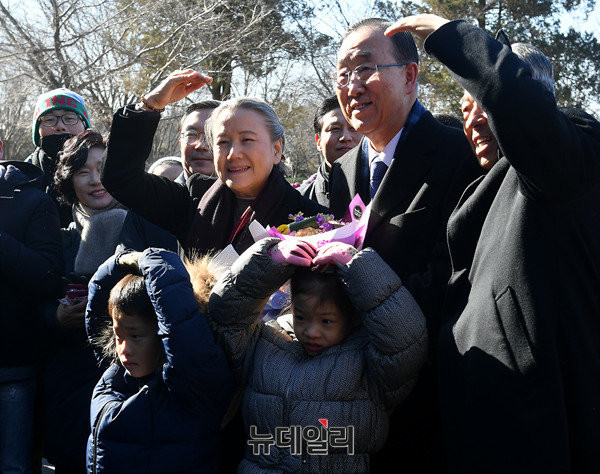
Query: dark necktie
{"type": "Point", "coordinates": [378, 170]}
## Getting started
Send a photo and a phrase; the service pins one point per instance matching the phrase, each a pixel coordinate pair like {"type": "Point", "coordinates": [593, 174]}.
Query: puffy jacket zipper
{"type": "Point", "coordinates": [95, 434]}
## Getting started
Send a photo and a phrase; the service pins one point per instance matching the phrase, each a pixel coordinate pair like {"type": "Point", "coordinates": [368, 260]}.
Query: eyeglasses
{"type": "Point", "coordinates": [52, 120]}
{"type": "Point", "coordinates": [192, 136]}
{"type": "Point", "coordinates": [363, 73]}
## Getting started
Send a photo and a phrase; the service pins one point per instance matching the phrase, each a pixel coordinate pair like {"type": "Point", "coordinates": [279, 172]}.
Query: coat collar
{"type": "Point", "coordinates": [349, 176]}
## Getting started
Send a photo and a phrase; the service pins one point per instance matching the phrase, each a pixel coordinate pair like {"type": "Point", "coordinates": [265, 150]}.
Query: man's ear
{"type": "Point", "coordinates": [412, 72]}
{"type": "Point", "coordinates": [318, 140]}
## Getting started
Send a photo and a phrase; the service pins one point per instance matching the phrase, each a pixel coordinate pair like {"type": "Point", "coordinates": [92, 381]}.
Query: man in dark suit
{"type": "Point", "coordinates": [519, 349]}
{"type": "Point", "coordinates": [411, 167]}
{"type": "Point", "coordinates": [413, 170]}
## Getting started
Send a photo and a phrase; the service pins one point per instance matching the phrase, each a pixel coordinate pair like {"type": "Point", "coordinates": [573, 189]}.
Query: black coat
{"type": "Point", "coordinates": [318, 189]}
{"type": "Point", "coordinates": [200, 223]}
{"type": "Point", "coordinates": [430, 169]}
{"type": "Point", "coordinates": [139, 234]}
{"type": "Point", "coordinates": [520, 349]}
{"type": "Point", "coordinates": [30, 260]}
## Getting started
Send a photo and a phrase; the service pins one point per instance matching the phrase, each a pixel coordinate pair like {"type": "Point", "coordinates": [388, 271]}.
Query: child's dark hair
{"type": "Point", "coordinates": [326, 287]}
{"type": "Point", "coordinates": [128, 296]}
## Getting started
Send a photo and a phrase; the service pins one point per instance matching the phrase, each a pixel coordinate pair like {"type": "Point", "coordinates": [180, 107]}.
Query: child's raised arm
{"type": "Point", "coordinates": [396, 325]}
{"type": "Point", "coordinates": [240, 295]}
{"type": "Point", "coordinates": [96, 314]}
{"type": "Point", "coordinates": [195, 366]}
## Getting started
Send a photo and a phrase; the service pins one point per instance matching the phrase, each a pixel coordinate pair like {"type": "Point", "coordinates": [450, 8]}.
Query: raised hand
{"type": "Point", "coordinates": [293, 252]}
{"type": "Point", "coordinates": [334, 252]}
{"type": "Point", "coordinates": [421, 25]}
{"type": "Point", "coordinates": [130, 261]}
{"type": "Point", "coordinates": [176, 86]}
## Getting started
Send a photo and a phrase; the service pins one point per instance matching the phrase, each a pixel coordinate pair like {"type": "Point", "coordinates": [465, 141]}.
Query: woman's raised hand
{"type": "Point", "coordinates": [176, 86]}
{"type": "Point", "coordinates": [294, 252]}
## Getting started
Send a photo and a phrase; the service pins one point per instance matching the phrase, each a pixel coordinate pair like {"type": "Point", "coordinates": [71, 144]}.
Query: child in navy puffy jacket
{"type": "Point", "coordinates": [159, 406]}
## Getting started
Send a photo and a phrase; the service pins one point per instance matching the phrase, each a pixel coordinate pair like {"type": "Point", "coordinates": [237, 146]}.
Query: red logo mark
{"type": "Point", "coordinates": [323, 421]}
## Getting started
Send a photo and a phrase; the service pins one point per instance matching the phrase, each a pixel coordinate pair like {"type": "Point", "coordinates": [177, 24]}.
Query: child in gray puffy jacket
{"type": "Point", "coordinates": [319, 384]}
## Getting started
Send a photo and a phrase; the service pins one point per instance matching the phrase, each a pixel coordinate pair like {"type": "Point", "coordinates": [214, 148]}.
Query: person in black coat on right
{"type": "Point", "coordinates": [519, 350]}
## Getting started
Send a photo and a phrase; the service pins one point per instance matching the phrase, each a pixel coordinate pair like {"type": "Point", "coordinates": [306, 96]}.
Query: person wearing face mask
{"type": "Point", "coordinates": [58, 115]}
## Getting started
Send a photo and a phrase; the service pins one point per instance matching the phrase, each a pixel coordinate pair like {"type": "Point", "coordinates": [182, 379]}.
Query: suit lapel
{"type": "Point", "coordinates": [412, 161]}
{"type": "Point", "coordinates": [345, 181]}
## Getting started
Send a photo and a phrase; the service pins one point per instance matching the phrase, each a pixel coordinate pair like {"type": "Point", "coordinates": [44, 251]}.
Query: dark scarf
{"type": "Point", "coordinates": [47, 164]}
{"type": "Point", "coordinates": [46, 156]}
{"type": "Point", "coordinates": [213, 227]}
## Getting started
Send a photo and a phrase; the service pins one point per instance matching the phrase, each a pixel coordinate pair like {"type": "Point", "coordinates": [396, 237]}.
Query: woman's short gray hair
{"type": "Point", "coordinates": [260, 106]}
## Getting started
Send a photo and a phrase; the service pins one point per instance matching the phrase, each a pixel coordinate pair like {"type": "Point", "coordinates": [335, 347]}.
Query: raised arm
{"type": "Point", "coordinates": [195, 367]}
{"type": "Point", "coordinates": [96, 314]}
{"type": "Point", "coordinates": [240, 295]}
{"type": "Point", "coordinates": [157, 199]}
{"type": "Point", "coordinates": [394, 321]}
{"type": "Point", "coordinates": [552, 154]}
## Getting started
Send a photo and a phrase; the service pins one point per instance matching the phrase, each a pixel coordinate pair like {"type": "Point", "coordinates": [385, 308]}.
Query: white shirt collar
{"type": "Point", "coordinates": [387, 153]}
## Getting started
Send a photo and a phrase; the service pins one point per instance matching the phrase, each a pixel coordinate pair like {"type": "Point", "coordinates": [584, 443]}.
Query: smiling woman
{"type": "Point", "coordinates": [244, 149]}
{"type": "Point", "coordinates": [97, 216]}
{"type": "Point", "coordinates": [247, 142]}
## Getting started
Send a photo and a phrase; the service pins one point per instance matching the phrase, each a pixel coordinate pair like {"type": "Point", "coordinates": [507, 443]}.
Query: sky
{"type": "Point", "coordinates": [590, 23]}
{"type": "Point", "coordinates": [332, 25]}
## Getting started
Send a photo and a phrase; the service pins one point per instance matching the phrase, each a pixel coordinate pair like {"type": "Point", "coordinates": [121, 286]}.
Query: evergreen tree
{"type": "Point", "coordinates": [574, 54]}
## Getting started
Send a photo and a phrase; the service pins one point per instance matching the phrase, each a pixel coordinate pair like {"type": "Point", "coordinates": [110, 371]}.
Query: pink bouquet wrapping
{"type": "Point", "coordinates": [322, 229]}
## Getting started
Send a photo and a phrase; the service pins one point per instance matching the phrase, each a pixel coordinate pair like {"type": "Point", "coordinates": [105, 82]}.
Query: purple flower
{"type": "Point", "coordinates": [323, 221]}
{"type": "Point", "coordinates": [296, 218]}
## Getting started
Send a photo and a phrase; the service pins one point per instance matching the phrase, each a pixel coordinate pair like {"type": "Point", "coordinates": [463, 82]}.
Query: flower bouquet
{"type": "Point", "coordinates": [323, 228]}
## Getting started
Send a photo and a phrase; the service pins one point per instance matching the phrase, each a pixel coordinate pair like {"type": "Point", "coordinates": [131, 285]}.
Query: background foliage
{"type": "Point", "coordinates": [283, 51]}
